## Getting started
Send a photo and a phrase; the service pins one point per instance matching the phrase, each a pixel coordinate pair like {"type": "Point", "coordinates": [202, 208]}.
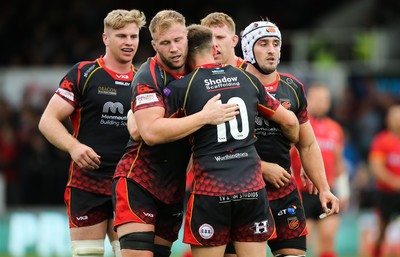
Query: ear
{"type": "Point", "coordinates": [105, 39]}
{"type": "Point", "coordinates": [153, 44]}
{"type": "Point", "coordinates": [235, 40]}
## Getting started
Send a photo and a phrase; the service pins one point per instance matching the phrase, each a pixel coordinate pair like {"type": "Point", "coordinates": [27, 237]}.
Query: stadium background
{"type": "Point", "coordinates": [350, 45]}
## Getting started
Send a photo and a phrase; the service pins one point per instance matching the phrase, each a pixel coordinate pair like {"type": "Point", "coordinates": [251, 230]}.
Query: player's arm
{"type": "Point", "coordinates": [155, 129]}
{"type": "Point", "coordinates": [288, 122]}
{"type": "Point", "coordinates": [51, 126]}
{"type": "Point", "coordinates": [313, 165]}
{"type": "Point", "coordinates": [132, 126]}
{"type": "Point", "coordinates": [378, 168]}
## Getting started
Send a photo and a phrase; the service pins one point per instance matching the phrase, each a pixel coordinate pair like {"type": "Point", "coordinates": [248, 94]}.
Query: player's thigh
{"type": "Point", "coordinates": [97, 231]}
{"type": "Point", "coordinates": [214, 251]}
{"type": "Point", "coordinates": [251, 249]}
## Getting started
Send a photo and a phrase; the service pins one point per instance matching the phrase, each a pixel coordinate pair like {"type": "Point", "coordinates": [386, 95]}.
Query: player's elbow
{"type": "Point", "coordinates": [42, 125]}
{"type": "Point", "coordinates": [151, 139]}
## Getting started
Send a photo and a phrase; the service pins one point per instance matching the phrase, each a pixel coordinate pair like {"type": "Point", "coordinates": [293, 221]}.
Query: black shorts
{"type": "Point", "coordinates": [290, 223]}
{"type": "Point", "coordinates": [388, 204]}
{"type": "Point", "coordinates": [134, 204]}
{"type": "Point", "coordinates": [312, 206]}
{"type": "Point", "coordinates": [218, 220]}
{"type": "Point", "coordinates": [86, 208]}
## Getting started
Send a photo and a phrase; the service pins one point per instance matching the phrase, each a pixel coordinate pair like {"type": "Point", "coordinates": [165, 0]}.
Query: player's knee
{"type": "Point", "coordinates": [87, 248]}
{"type": "Point", "coordinates": [138, 241]}
{"type": "Point", "coordinates": [162, 251]}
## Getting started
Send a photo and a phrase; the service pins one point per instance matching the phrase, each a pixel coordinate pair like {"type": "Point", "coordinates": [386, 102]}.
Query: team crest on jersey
{"type": "Point", "coordinates": [146, 98]}
{"type": "Point", "coordinates": [293, 222]}
{"type": "Point", "coordinates": [206, 231]}
{"type": "Point", "coordinates": [285, 103]}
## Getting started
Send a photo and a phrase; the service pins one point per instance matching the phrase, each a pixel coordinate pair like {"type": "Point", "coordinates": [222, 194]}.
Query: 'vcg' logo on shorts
{"type": "Point", "coordinates": [113, 107]}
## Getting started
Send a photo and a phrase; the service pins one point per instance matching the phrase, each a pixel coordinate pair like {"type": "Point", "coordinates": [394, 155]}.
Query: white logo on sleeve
{"type": "Point", "coordinates": [206, 231]}
{"type": "Point", "coordinates": [146, 98]}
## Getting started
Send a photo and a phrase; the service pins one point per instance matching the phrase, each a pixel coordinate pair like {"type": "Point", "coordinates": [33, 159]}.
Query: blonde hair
{"type": "Point", "coordinates": [219, 19]}
{"type": "Point", "coordinates": [163, 20]}
{"type": "Point", "coordinates": [119, 18]}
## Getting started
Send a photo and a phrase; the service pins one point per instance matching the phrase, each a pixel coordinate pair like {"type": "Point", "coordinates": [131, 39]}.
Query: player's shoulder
{"type": "Point", "coordinates": [86, 65]}
{"type": "Point", "coordinates": [290, 80]}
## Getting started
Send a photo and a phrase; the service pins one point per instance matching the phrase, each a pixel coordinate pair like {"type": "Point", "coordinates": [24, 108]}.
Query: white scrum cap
{"type": "Point", "coordinates": [254, 32]}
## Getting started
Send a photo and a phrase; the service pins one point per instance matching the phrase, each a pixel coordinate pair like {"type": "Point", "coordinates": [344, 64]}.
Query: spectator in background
{"type": "Point", "coordinates": [330, 137]}
{"type": "Point", "coordinates": [96, 96]}
{"type": "Point", "coordinates": [384, 162]}
{"type": "Point", "coordinates": [9, 153]}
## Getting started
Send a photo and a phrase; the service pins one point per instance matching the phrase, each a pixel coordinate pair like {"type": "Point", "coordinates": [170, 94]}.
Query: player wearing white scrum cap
{"type": "Point", "coordinates": [261, 45]}
{"type": "Point", "coordinates": [254, 32]}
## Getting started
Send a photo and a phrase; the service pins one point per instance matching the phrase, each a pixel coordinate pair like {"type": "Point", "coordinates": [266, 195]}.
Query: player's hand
{"type": "Point", "coordinates": [275, 174]}
{"type": "Point", "coordinates": [329, 203]}
{"type": "Point", "coordinates": [217, 112]}
{"type": "Point", "coordinates": [132, 126]}
{"type": "Point", "coordinates": [85, 157]}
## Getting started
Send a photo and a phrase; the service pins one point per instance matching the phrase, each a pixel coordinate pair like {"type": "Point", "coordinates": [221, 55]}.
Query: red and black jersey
{"type": "Point", "coordinates": [160, 169]}
{"type": "Point", "coordinates": [225, 161]}
{"type": "Point", "coordinates": [272, 145]}
{"type": "Point", "coordinates": [101, 99]}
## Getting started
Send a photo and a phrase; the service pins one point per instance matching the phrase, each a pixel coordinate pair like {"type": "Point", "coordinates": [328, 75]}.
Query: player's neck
{"type": "Point", "coordinates": [204, 61]}
{"type": "Point", "coordinates": [233, 60]}
{"type": "Point", "coordinates": [118, 67]}
{"type": "Point", "coordinates": [264, 78]}
{"type": "Point", "coordinates": [180, 70]}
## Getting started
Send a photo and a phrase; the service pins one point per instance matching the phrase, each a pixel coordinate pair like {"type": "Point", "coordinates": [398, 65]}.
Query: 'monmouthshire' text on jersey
{"type": "Point", "coordinates": [225, 161]}
{"type": "Point", "coordinates": [101, 99]}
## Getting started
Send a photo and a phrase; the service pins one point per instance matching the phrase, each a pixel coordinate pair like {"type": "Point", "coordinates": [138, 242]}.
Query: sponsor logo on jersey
{"type": "Point", "coordinates": [91, 68]}
{"type": "Point", "coordinates": [221, 83]}
{"type": "Point", "coordinates": [290, 210]}
{"type": "Point", "coordinates": [218, 72]}
{"type": "Point", "coordinates": [67, 94]}
{"type": "Point", "coordinates": [238, 197]}
{"type": "Point", "coordinates": [206, 231]}
{"type": "Point", "coordinates": [113, 107]}
{"type": "Point", "coordinates": [148, 214]}
{"type": "Point", "coordinates": [82, 218]}
{"type": "Point", "coordinates": [228, 157]}
{"type": "Point", "coordinates": [122, 83]}
{"type": "Point", "coordinates": [117, 117]}
{"type": "Point", "coordinates": [122, 76]}
{"type": "Point", "coordinates": [146, 98]}
{"type": "Point", "coordinates": [106, 90]}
